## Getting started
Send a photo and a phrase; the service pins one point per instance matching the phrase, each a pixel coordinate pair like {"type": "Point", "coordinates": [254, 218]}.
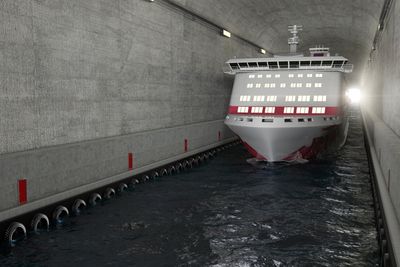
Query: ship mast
{"type": "Point", "coordinates": [294, 40]}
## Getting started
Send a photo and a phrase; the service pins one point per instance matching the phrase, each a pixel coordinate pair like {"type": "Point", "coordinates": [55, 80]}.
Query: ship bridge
{"type": "Point", "coordinates": [99, 98]}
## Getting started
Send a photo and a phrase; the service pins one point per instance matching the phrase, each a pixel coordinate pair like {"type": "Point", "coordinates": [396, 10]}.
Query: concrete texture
{"type": "Point", "coordinates": [82, 83]}
{"type": "Point", "coordinates": [381, 84]}
{"type": "Point", "coordinates": [347, 27]}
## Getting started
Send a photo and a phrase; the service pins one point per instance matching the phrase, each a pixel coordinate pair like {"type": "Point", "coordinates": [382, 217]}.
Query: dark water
{"type": "Point", "coordinates": [227, 213]}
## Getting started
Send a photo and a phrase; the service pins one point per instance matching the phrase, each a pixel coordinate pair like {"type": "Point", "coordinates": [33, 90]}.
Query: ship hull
{"type": "Point", "coordinates": [289, 143]}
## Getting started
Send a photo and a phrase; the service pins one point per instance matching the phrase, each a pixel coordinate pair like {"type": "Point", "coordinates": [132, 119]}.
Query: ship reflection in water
{"type": "Point", "coordinates": [227, 213]}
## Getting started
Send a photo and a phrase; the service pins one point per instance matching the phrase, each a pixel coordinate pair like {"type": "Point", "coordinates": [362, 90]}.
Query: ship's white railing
{"type": "Point", "coordinates": [240, 65]}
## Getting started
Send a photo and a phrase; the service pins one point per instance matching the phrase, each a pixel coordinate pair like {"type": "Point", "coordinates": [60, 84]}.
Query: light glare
{"type": "Point", "coordinates": [354, 95]}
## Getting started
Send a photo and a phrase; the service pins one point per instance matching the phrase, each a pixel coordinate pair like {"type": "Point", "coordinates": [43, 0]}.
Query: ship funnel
{"type": "Point", "coordinates": [294, 40]}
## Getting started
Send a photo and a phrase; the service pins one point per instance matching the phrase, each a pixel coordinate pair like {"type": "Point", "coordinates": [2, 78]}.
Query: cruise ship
{"type": "Point", "coordinates": [289, 107]}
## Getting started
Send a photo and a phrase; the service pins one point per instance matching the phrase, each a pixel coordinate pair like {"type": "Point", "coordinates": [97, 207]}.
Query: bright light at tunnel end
{"type": "Point", "coordinates": [354, 95]}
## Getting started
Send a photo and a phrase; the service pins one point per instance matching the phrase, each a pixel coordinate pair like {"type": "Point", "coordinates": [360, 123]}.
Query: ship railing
{"type": "Point", "coordinates": [229, 69]}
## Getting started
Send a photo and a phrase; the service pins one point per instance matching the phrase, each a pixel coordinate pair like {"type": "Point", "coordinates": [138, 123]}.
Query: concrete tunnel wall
{"type": "Point", "coordinates": [382, 109]}
{"type": "Point", "coordinates": [83, 83]}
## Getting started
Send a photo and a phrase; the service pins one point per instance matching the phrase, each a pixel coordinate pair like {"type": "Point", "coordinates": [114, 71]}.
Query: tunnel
{"type": "Point", "coordinates": [98, 97]}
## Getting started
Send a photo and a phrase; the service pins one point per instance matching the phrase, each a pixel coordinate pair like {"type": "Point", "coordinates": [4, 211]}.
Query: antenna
{"type": "Point", "coordinates": [294, 40]}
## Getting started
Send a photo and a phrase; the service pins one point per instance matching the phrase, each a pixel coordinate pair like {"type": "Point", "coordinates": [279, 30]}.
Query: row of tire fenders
{"type": "Point", "coordinates": [40, 222]}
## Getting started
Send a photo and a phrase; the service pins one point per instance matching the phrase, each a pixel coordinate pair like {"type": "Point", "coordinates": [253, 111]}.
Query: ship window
{"type": "Point", "coordinates": [253, 64]}
{"type": "Point", "coordinates": [269, 110]}
{"type": "Point", "coordinates": [294, 64]}
{"type": "Point", "coordinates": [266, 85]}
{"type": "Point", "coordinates": [273, 65]}
{"type": "Point", "coordinates": [283, 64]}
{"type": "Point", "coordinates": [326, 63]}
{"type": "Point", "coordinates": [303, 98]}
{"type": "Point", "coordinates": [310, 119]}
{"type": "Point", "coordinates": [319, 98]}
{"type": "Point", "coordinates": [299, 85]}
{"type": "Point", "coordinates": [290, 98]}
{"type": "Point", "coordinates": [262, 64]}
{"type": "Point", "coordinates": [268, 75]}
{"type": "Point", "coordinates": [300, 75]}
{"type": "Point", "coordinates": [259, 76]}
{"type": "Point", "coordinates": [258, 98]}
{"type": "Point", "coordinates": [256, 109]}
{"type": "Point", "coordinates": [337, 64]}
{"type": "Point", "coordinates": [271, 98]}
{"type": "Point", "coordinates": [315, 63]}
{"type": "Point", "coordinates": [243, 65]}
{"type": "Point", "coordinates": [273, 85]}
{"type": "Point", "coordinates": [291, 75]}
{"type": "Point", "coordinates": [258, 85]}
{"type": "Point", "coordinates": [288, 110]}
{"type": "Point", "coordinates": [305, 63]}
{"type": "Point", "coordinates": [288, 120]}
{"type": "Point", "coordinates": [250, 119]}
{"type": "Point", "coordinates": [283, 85]}
{"type": "Point", "coordinates": [300, 120]}
{"type": "Point", "coordinates": [318, 110]}
{"type": "Point", "coordinates": [302, 110]}
{"type": "Point", "coordinates": [252, 76]}
{"type": "Point", "coordinates": [249, 85]}
{"type": "Point", "coordinates": [318, 85]}
{"type": "Point", "coordinates": [234, 66]}
{"type": "Point", "coordinates": [277, 75]}
{"type": "Point", "coordinates": [240, 119]}
{"type": "Point", "coordinates": [309, 75]}
{"type": "Point", "coordinates": [319, 75]}
{"type": "Point", "coordinates": [308, 85]}
{"type": "Point", "coordinates": [243, 109]}
{"type": "Point", "coordinates": [267, 120]}
{"type": "Point", "coordinates": [293, 85]}
{"type": "Point", "coordinates": [244, 98]}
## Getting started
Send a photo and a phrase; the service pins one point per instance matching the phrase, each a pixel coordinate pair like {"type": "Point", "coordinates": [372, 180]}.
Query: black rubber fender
{"type": "Point", "coordinates": [78, 206]}
{"type": "Point", "coordinates": [15, 232]}
{"type": "Point", "coordinates": [133, 183]}
{"type": "Point", "coordinates": [179, 167]}
{"type": "Point", "coordinates": [155, 175]}
{"type": "Point", "coordinates": [122, 187]}
{"type": "Point", "coordinates": [188, 164]}
{"type": "Point", "coordinates": [171, 170]}
{"type": "Point", "coordinates": [94, 199]}
{"type": "Point", "coordinates": [109, 193]}
{"type": "Point", "coordinates": [59, 214]}
{"type": "Point", "coordinates": [40, 222]}
{"type": "Point", "coordinates": [145, 178]}
{"type": "Point", "coordinates": [164, 172]}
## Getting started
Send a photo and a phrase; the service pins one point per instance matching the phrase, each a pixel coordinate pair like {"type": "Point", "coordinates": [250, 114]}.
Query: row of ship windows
{"type": "Point", "coordinates": [291, 75]}
{"type": "Point", "coordinates": [288, 98]}
{"type": "Point", "coordinates": [283, 85]}
{"type": "Point", "coordinates": [286, 110]}
{"type": "Point", "coordinates": [288, 119]}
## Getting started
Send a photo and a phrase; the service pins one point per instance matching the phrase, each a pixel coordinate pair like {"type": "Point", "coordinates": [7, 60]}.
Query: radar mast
{"type": "Point", "coordinates": [294, 40]}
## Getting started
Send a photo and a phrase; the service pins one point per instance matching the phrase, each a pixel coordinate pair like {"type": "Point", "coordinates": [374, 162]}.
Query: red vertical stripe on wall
{"type": "Point", "coordinates": [22, 191]}
{"type": "Point", "coordinates": [130, 161]}
{"type": "Point", "coordinates": [186, 146]}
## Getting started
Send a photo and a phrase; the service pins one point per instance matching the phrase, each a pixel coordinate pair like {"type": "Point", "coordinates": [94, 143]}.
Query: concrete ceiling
{"type": "Point", "coordinates": [346, 26]}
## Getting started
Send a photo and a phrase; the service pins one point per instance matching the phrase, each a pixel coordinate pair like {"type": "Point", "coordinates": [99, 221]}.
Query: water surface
{"type": "Point", "coordinates": [227, 213]}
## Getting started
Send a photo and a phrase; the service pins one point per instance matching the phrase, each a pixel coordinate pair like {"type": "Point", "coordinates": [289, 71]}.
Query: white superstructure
{"type": "Point", "coordinates": [288, 107]}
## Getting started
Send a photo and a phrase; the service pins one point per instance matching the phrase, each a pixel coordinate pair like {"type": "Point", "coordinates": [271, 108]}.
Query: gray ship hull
{"type": "Point", "coordinates": [288, 143]}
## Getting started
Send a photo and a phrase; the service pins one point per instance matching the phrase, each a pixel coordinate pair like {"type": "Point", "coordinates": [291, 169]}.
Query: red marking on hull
{"type": "Point", "coordinates": [22, 191]}
{"type": "Point", "coordinates": [254, 152]}
{"type": "Point", "coordinates": [318, 145]}
{"type": "Point", "coordinates": [130, 161]}
{"type": "Point", "coordinates": [186, 145]}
